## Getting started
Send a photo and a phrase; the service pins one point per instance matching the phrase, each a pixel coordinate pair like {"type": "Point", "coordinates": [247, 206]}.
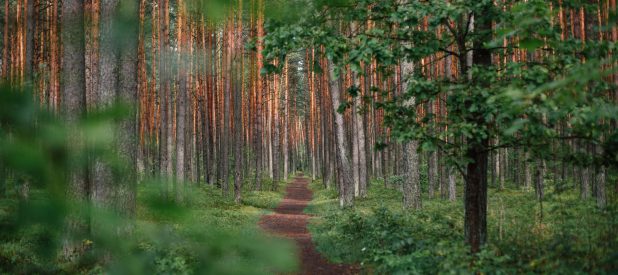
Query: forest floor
{"type": "Point", "coordinates": [290, 221]}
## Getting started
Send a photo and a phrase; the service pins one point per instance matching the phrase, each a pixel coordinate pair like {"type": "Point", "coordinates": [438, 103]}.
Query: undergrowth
{"type": "Point", "coordinates": [571, 237]}
{"type": "Point", "coordinates": [206, 234]}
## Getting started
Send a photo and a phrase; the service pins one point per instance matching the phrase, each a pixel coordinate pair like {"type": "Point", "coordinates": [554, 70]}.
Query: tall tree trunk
{"type": "Point", "coordinates": [164, 91]}
{"type": "Point", "coordinates": [344, 175]}
{"type": "Point", "coordinates": [237, 137]}
{"type": "Point", "coordinates": [127, 135]}
{"type": "Point", "coordinates": [286, 122]}
{"type": "Point", "coordinates": [74, 103]}
{"type": "Point", "coordinates": [181, 105]}
{"type": "Point", "coordinates": [74, 87]}
{"type": "Point", "coordinates": [259, 98]}
{"type": "Point", "coordinates": [102, 177]}
{"type": "Point", "coordinates": [476, 194]}
{"type": "Point", "coordinates": [432, 160]}
{"type": "Point", "coordinates": [475, 223]}
{"type": "Point", "coordinates": [411, 184]}
{"type": "Point", "coordinates": [359, 137]}
{"type": "Point", "coordinates": [205, 108]}
{"type": "Point", "coordinates": [450, 169]}
{"type": "Point", "coordinates": [276, 146]}
{"type": "Point", "coordinates": [227, 92]}
{"type": "Point", "coordinates": [238, 96]}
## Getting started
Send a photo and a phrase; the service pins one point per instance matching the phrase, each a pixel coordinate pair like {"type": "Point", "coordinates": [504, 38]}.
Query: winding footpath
{"type": "Point", "coordinates": [289, 221]}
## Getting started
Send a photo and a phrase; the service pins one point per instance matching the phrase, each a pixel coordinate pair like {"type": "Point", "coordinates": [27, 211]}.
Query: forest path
{"type": "Point", "coordinates": [289, 221]}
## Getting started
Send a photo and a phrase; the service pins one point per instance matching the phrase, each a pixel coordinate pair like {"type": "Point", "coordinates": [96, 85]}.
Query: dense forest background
{"type": "Point", "coordinates": [440, 136]}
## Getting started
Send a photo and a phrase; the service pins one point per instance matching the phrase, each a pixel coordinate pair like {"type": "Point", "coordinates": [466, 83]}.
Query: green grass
{"type": "Point", "coordinates": [572, 236]}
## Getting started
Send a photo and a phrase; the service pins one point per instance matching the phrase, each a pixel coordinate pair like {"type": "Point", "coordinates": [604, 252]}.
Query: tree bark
{"type": "Point", "coordinates": [411, 184]}
{"type": "Point", "coordinates": [452, 188]}
{"type": "Point", "coordinates": [238, 96]}
{"type": "Point", "coordinates": [361, 152]}
{"type": "Point", "coordinates": [102, 177]}
{"type": "Point", "coordinates": [5, 43]}
{"type": "Point", "coordinates": [346, 191]}
{"type": "Point", "coordinates": [181, 102]}
{"type": "Point", "coordinates": [227, 92]}
{"type": "Point", "coordinates": [74, 103]}
{"type": "Point", "coordinates": [475, 223]}
{"type": "Point", "coordinates": [164, 92]}
{"type": "Point", "coordinates": [30, 64]}
{"type": "Point", "coordinates": [600, 182]}
{"type": "Point", "coordinates": [259, 98]}
{"type": "Point", "coordinates": [127, 135]}
{"type": "Point", "coordinates": [286, 121]}
{"type": "Point", "coordinates": [74, 88]}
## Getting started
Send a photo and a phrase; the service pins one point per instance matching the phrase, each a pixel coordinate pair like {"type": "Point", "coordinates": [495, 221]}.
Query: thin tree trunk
{"type": "Point", "coordinates": [30, 64]}
{"type": "Point", "coordinates": [259, 98]}
{"type": "Point", "coordinates": [238, 92]}
{"type": "Point", "coordinates": [164, 91]}
{"type": "Point", "coordinates": [360, 138]}
{"type": "Point", "coordinates": [5, 43]}
{"type": "Point", "coordinates": [227, 92]}
{"type": "Point", "coordinates": [452, 188]}
{"type": "Point", "coordinates": [286, 122]}
{"type": "Point", "coordinates": [181, 102]}
{"type": "Point", "coordinates": [527, 172]}
{"type": "Point", "coordinates": [539, 176]}
{"type": "Point", "coordinates": [600, 182]}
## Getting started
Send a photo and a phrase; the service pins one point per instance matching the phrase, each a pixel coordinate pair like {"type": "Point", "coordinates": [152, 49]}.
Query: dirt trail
{"type": "Point", "coordinates": [289, 221]}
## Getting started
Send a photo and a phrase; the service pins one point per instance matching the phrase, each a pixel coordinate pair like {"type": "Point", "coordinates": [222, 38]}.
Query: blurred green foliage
{"type": "Point", "coordinates": [39, 216]}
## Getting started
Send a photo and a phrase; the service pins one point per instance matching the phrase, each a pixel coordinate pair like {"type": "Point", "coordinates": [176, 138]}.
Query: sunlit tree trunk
{"type": "Point", "coordinates": [286, 122]}
{"type": "Point", "coordinates": [259, 98]}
